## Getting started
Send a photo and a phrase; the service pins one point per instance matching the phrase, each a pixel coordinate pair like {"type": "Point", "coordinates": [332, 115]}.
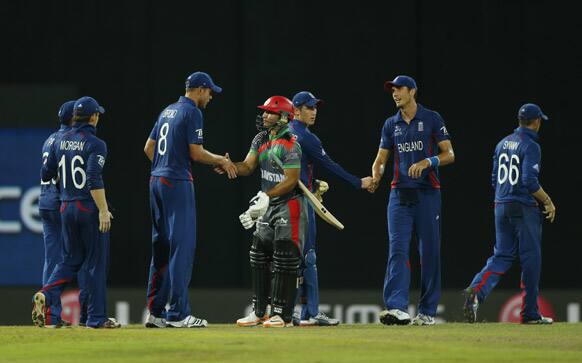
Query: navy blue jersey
{"type": "Point", "coordinates": [179, 125]}
{"type": "Point", "coordinates": [77, 157]}
{"type": "Point", "coordinates": [516, 166]}
{"type": "Point", "coordinates": [313, 152]}
{"type": "Point", "coordinates": [411, 143]}
{"type": "Point", "coordinates": [50, 198]}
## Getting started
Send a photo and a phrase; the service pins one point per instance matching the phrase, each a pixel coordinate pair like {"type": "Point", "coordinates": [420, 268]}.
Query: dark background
{"type": "Point", "coordinates": [475, 62]}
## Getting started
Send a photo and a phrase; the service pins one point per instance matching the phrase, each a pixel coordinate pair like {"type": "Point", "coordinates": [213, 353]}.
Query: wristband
{"type": "Point", "coordinates": [433, 161]}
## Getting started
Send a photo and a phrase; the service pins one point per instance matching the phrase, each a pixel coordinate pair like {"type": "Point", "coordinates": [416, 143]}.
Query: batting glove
{"type": "Point", "coordinates": [259, 205]}
{"type": "Point", "coordinates": [246, 220]}
{"type": "Point", "coordinates": [320, 188]}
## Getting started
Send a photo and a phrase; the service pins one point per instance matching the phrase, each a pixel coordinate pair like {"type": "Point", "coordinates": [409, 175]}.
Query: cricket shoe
{"type": "Point", "coordinates": [60, 324]}
{"type": "Point", "coordinates": [394, 317]}
{"type": "Point", "coordinates": [153, 322]}
{"type": "Point", "coordinates": [542, 320]}
{"type": "Point", "coordinates": [251, 320]}
{"type": "Point", "coordinates": [422, 319]}
{"type": "Point", "coordinates": [296, 319]}
{"type": "Point", "coordinates": [471, 305]}
{"type": "Point", "coordinates": [320, 320]}
{"type": "Point", "coordinates": [276, 322]}
{"type": "Point", "coordinates": [188, 322]}
{"type": "Point", "coordinates": [39, 309]}
{"type": "Point", "coordinates": [110, 323]}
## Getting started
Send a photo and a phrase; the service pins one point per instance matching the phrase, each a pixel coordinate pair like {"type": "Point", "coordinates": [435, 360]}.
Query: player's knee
{"type": "Point", "coordinates": [286, 257]}
{"type": "Point", "coordinates": [310, 258]}
{"type": "Point", "coordinates": [258, 256]}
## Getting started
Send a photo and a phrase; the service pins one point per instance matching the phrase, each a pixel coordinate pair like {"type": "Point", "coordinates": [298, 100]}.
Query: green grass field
{"type": "Point", "coordinates": [346, 343]}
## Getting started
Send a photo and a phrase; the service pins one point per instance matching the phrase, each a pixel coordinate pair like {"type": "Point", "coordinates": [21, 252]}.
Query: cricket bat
{"type": "Point", "coordinates": [319, 208]}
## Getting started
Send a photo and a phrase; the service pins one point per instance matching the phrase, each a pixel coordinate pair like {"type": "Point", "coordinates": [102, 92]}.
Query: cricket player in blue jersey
{"type": "Point", "coordinates": [518, 221]}
{"type": "Point", "coordinates": [306, 106]}
{"type": "Point", "coordinates": [420, 143]}
{"type": "Point", "coordinates": [49, 203]}
{"type": "Point", "coordinates": [78, 158]}
{"type": "Point", "coordinates": [175, 141]}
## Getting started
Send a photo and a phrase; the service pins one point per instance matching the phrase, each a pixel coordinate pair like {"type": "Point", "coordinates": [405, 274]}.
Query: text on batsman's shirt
{"type": "Point", "coordinates": [516, 167]}
{"type": "Point", "coordinates": [284, 145]}
{"type": "Point", "coordinates": [78, 158]}
{"type": "Point", "coordinates": [179, 125]}
{"type": "Point", "coordinates": [50, 195]}
{"type": "Point", "coordinates": [313, 152]}
{"type": "Point", "coordinates": [411, 143]}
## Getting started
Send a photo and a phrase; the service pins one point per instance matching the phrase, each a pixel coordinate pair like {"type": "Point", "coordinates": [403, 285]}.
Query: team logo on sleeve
{"type": "Point", "coordinates": [199, 132]}
{"type": "Point", "coordinates": [100, 160]}
{"type": "Point", "coordinates": [444, 130]}
{"type": "Point", "coordinates": [293, 155]}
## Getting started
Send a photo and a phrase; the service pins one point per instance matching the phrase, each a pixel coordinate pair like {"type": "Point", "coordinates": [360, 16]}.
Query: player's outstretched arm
{"type": "Point", "coordinates": [248, 166]}
{"type": "Point", "coordinates": [200, 155]}
{"type": "Point", "coordinates": [378, 168]}
{"type": "Point", "coordinates": [312, 146]}
{"type": "Point", "coordinates": [149, 148]}
{"type": "Point", "coordinates": [243, 168]}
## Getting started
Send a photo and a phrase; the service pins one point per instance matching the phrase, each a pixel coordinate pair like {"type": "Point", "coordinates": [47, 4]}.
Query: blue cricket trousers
{"type": "Point", "coordinates": [518, 232]}
{"type": "Point", "coordinates": [421, 217]}
{"type": "Point", "coordinates": [173, 214]}
{"type": "Point", "coordinates": [309, 289]}
{"type": "Point", "coordinates": [84, 247]}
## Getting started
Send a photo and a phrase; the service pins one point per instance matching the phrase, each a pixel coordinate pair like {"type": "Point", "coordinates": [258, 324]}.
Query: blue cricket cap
{"type": "Point", "coordinates": [201, 79]}
{"type": "Point", "coordinates": [306, 98]}
{"type": "Point", "coordinates": [530, 111]}
{"type": "Point", "coordinates": [66, 112]}
{"type": "Point", "coordinates": [400, 81]}
{"type": "Point", "coordinates": [86, 106]}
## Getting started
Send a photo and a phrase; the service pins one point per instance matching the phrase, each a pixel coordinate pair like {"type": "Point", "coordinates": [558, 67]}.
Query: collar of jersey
{"type": "Point", "coordinates": [281, 133]}
{"type": "Point", "coordinates": [298, 124]}
{"type": "Point", "coordinates": [64, 127]}
{"type": "Point", "coordinates": [419, 114]}
{"type": "Point", "coordinates": [529, 132]}
{"type": "Point", "coordinates": [85, 126]}
{"type": "Point", "coordinates": [184, 99]}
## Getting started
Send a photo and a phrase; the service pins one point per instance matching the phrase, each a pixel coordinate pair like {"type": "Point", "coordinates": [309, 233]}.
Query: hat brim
{"type": "Point", "coordinates": [216, 89]}
{"type": "Point", "coordinates": [101, 109]}
{"type": "Point", "coordinates": [546, 118]}
{"type": "Point", "coordinates": [314, 102]}
{"type": "Point", "coordinates": [389, 84]}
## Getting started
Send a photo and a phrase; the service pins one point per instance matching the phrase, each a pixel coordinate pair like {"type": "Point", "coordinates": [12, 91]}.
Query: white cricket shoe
{"type": "Point", "coordinates": [153, 322]}
{"type": "Point", "coordinates": [251, 320]}
{"type": "Point", "coordinates": [394, 317]}
{"type": "Point", "coordinates": [422, 319]}
{"type": "Point", "coordinates": [188, 322]}
{"type": "Point", "coordinates": [320, 320]}
{"type": "Point", "coordinates": [276, 322]}
{"type": "Point", "coordinates": [542, 320]}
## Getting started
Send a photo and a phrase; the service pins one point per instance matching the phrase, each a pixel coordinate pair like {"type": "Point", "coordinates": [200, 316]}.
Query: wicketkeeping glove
{"type": "Point", "coordinates": [259, 205]}
{"type": "Point", "coordinates": [320, 188]}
